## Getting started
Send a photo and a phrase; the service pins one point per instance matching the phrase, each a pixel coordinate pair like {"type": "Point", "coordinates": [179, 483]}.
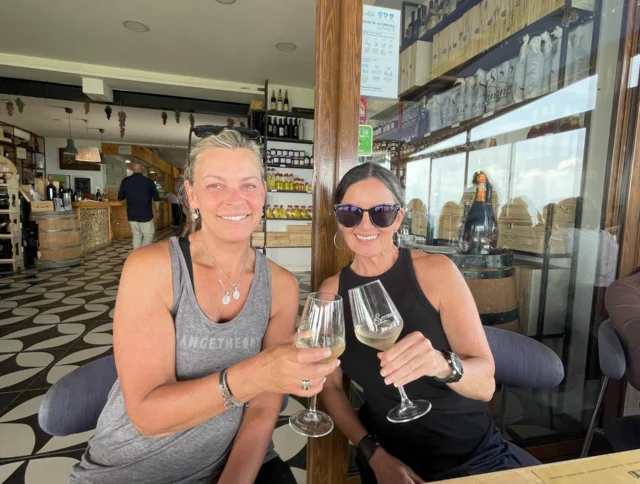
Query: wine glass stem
{"type": "Point", "coordinates": [312, 404]}
{"type": "Point", "coordinates": [403, 396]}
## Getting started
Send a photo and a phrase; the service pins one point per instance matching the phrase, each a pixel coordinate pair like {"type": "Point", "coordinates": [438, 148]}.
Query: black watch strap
{"type": "Point", "coordinates": [367, 446]}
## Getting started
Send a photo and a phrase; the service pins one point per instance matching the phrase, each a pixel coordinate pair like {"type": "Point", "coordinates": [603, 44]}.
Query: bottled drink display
{"type": "Point", "coordinates": [300, 129]}
{"type": "Point", "coordinates": [280, 129]}
{"type": "Point", "coordinates": [280, 104]}
{"type": "Point", "coordinates": [274, 103]}
{"type": "Point", "coordinates": [286, 100]}
{"type": "Point", "coordinates": [478, 236]}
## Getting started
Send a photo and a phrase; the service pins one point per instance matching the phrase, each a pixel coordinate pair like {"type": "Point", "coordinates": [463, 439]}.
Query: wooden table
{"type": "Point", "coordinates": [605, 469]}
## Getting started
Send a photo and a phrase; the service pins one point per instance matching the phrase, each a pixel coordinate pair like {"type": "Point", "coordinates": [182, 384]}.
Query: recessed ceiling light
{"type": "Point", "coordinates": [286, 46]}
{"type": "Point", "coordinates": [127, 161]}
{"type": "Point", "coordinates": [226, 2]}
{"type": "Point", "coordinates": [136, 26]}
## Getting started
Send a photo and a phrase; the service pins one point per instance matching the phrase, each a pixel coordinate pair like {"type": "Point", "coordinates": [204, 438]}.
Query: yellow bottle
{"type": "Point", "coordinates": [303, 213]}
{"type": "Point", "coordinates": [278, 182]}
{"type": "Point", "coordinates": [289, 212]}
{"type": "Point", "coordinates": [290, 182]}
{"type": "Point", "coordinates": [269, 212]}
{"type": "Point", "coordinates": [281, 212]}
{"type": "Point", "coordinates": [310, 212]}
{"type": "Point", "coordinates": [296, 212]}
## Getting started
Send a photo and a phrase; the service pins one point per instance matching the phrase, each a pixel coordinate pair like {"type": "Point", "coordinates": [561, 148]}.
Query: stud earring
{"type": "Point", "coordinates": [195, 215]}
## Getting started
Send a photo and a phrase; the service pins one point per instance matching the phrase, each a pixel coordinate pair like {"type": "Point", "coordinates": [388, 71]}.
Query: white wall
{"type": "Point", "coordinates": [299, 97]}
{"type": "Point", "coordinates": [52, 147]}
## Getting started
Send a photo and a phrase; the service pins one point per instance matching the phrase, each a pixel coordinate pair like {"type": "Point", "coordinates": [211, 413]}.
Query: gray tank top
{"type": "Point", "coordinates": [119, 453]}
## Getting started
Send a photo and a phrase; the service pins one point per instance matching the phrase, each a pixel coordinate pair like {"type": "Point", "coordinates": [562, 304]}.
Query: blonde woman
{"type": "Point", "coordinates": [198, 334]}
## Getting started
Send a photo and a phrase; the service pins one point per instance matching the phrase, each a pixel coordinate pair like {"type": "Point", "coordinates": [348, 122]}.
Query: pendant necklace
{"type": "Point", "coordinates": [226, 299]}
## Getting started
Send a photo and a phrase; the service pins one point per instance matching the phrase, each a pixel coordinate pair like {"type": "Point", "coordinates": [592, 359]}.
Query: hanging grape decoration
{"type": "Point", "coordinates": [230, 123]}
{"type": "Point", "coordinates": [108, 111]}
{"type": "Point", "coordinates": [9, 107]}
{"type": "Point", "coordinates": [192, 120]}
{"type": "Point", "coordinates": [177, 114]}
{"type": "Point", "coordinates": [20, 105]}
{"type": "Point", "coordinates": [122, 121]}
{"type": "Point", "coordinates": [164, 118]}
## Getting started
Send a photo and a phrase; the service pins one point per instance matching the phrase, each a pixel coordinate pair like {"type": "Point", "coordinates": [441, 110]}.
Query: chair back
{"type": "Point", "coordinates": [613, 361]}
{"type": "Point", "coordinates": [74, 403]}
{"type": "Point", "coordinates": [522, 361]}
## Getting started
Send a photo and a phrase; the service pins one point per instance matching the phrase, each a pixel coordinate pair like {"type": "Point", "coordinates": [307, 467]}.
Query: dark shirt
{"type": "Point", "coordinates": [138, 191]}
{"type": "Point", "coordinates": [622, 300]}
{"type": "Point", "coordinates": [456, 426]}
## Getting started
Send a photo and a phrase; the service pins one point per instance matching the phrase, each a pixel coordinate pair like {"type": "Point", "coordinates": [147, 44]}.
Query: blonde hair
{"type": "Point", "coordinates": [229, 139]}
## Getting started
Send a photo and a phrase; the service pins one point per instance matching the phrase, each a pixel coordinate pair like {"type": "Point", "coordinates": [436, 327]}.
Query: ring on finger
{"type": "Point", "coordinates": [306, 385]}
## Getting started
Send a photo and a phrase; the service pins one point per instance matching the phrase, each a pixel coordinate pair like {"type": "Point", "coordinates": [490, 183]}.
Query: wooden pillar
{"type": "Point", "coordinates": [337, 96]}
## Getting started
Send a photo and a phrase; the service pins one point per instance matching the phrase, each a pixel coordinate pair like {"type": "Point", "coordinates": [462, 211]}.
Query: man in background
{"type": "Point", "coordinates": [176, 210]}
{"type": "Point", "coordinates": [139, 191]}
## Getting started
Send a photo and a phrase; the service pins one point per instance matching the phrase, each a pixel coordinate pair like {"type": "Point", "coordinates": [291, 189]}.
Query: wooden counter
{"type": "Point", "coordinates": [95, 223]}
{"type": "Point", "coordinates": [120, 224]}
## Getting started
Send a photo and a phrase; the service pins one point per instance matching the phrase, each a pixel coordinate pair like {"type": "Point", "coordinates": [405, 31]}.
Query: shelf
{"type": "Point", "coordinates": [289, 167]}
{"type": "Point", "coordinates": [508, 48]}
{"type": "Point", "coordinates": [446, 22]}
{"type": "Point", "coordinates": [305, 220]}
{"type": "Point", "coordinates": [291, 140]}
{"type": "Point", "coordinates": [290, 191]}
{"type": "Point", "coordinates": [6, 261]}
{"type": "Point", "coordinates": [8, 236]}
{"type": "Point", "coordinates": [290, 114]}
{"type": "Point", "coordinates": [5, 211]}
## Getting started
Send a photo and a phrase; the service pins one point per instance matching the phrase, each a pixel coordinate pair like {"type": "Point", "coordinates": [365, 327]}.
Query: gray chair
{"type": "Point", "coordinates": [613, 364]}
{"type": "Point", "coordinates": [523, 362]}
{"type": "Point", "coordinates": [74, 403]}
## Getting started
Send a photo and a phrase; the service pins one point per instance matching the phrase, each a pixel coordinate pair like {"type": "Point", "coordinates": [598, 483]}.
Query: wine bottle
{"type": "Point", "coordinates": [296, 129]}
{"type": "Point", "coordinates": [280, 105]}
{"type": "Point", "coordinates": [287, 128]}
{"type": "Point", "coordinates": [475, 236]}
{"type": "Point", "coordinates": [422, 29]}
{"type": "Point", "coordinates": [300, 129]}
{"type": "Point", "coordinates": [270, 127]}
{"type": "Point", "coordinates": [280, 129]}
{"type": "Point", "coordinates": [274, 104]}
{"type": "Point", "coordinates": [286, 100]}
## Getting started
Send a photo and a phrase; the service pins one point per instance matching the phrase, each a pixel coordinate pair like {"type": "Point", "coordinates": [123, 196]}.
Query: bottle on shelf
{"type": "Point", "coordinates": [270, 127]}
{"type": "Point", "coordinates": [269, 212]}
{"type": "Point", "coordinates": [286, 100]}
{"type": "Point", "coordinates": [296, 129]}
{"type": "Point", "coordinates": [300, 129]}
{"type": "Point", "coordinates": [280, 129]}
{"type": "Point", "coordinates": [424, 18]}
{"type": "Point", "coordinates": [290, 182]}
{"type": "Point", "coordinates": [274, 104]}
{"type": "Point", "coordinates": [409, 32]}
{"type": "Point", "coordinates": [287, 129]}
{"type": "Point", "coordinates": [476, 238]}
{"type": "Point", "coordinates": [416, 26]}
{"type": "Point", "coordinates": [310, 212]}
{"type": "Point", "coordinates": [296, 212]}
{"type": "Point", "coordinates": [304, 215]}
{"type": "Point", "coordinates": [435, 14]}
{"type": "Point", "coordinates": [289, 212]}
{"type": "Point", "coordinates": [280, 103]}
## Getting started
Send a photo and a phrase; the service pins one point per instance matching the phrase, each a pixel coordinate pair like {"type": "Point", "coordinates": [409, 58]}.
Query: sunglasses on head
{"type": "Point", "coordinates": [208, 130]}
{"type": "Point", "coordinates": [382, 216]}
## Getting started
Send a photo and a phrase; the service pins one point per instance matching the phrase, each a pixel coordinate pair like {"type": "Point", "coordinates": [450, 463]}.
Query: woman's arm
{"type": "Point", "coordinates": [259, 419]}
{"type": "Point", "coordinates": [144, 346]}
{"type": "Point", "coordinates": [413, 357]}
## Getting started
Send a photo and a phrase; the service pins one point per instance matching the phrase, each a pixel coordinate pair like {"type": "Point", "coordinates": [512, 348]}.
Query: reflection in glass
{"type": "Point", "coordinates": [447, 187]}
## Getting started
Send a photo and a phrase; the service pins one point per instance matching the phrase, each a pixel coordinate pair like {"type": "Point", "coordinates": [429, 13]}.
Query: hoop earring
{"type": "Point", "coordinates": [195, 215]}
{"type": "Point", "coordinates": [334, 241]}
{"type": "Point", "coordinates": [397, 239]}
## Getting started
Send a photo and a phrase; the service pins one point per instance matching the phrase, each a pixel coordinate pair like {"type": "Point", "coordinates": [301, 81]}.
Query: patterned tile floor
{"type": "Point", "coordinates": [51, 322]}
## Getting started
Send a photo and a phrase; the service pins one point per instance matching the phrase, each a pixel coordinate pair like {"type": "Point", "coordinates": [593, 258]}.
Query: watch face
{"type": "Point", "coordinates": [456, 363]}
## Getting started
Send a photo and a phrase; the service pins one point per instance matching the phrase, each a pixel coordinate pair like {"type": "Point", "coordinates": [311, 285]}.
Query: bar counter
{"type": "Point", "coordinates": [95, 223]}
{"type": "Point", "coordinates": [120, 224]}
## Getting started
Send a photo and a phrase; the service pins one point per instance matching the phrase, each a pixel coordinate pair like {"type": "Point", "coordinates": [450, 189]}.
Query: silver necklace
{"type": "Point", "coordinates": [226, 299]}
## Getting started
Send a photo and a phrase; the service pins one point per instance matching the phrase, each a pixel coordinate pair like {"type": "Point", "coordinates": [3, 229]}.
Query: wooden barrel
{"type": "Point", "coordinates": [491, 279]}
{"type": "Point", "coordinates": [58, 239]}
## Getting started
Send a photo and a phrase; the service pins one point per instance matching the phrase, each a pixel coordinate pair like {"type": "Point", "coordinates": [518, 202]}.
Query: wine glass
{"type": "Point", "coordinates": [321, 326]}
{"type": "Point", "coordinates": [377, 323]}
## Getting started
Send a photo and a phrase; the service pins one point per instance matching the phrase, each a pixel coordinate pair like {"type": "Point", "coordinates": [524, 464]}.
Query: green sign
{"type": "Point", "coordinates": [365, 141]}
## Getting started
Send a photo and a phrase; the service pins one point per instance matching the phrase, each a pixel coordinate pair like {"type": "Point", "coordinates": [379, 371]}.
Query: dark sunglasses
{"type": "Point", "coordinates": [381, 216]}
{"type": "Point", "coordinates": [209, 130]}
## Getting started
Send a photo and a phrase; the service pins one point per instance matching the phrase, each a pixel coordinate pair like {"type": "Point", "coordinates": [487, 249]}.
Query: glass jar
{"type": "Point", "coordinates": [269, 212]}
{"type": "Point", "coordinates": [296, 212]}
{"type": "Point", "coordinates": [304, 215]}
{"type": "Point", "coordinates": [310, 213]}
{"type": "Point", "coordinates": [289, 212]}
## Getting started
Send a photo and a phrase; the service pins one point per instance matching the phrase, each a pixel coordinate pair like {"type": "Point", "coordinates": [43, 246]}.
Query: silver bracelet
{"type": "Point", "coordinates": [229, 400]}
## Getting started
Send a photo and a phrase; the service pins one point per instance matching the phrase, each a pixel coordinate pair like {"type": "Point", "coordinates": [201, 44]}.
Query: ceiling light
{"type": "Point", "coordinates": [127, 161]}
{"type": "Point", "coordinates": [70, 149]}
{"type": "Point", "coordinates": [88, 154]}
{"type": "Point", "coordinates": [286, 46]}
{"type": "Point", "coordinates": [226, 2]}
{"type": "Point", "coordinates": [136, 26]}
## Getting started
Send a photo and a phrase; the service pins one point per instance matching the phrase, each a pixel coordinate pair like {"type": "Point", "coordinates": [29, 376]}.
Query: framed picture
{"type": "Point", "coordinates": [68, 162]}
{"type": "Point", "coordinates": [83, 185]}
{"type": "Point", "coordinates": [64, 179]}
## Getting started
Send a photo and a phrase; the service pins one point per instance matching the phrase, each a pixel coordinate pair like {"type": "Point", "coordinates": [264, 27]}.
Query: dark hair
{"type": "Point", "coordinates": [364, 172]}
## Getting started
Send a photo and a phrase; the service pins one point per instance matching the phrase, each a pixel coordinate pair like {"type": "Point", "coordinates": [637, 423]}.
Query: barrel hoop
{"type": "Point", "coordinates": [62, 247]}
{"type": "Point", "coordinates": [52, 231]}
{"type": "Point", "coordinates": [483, 274]}
{"type": "Point", "coordinates": [493, 319]}
{"type": "Point", "coordinates": [489, 261]}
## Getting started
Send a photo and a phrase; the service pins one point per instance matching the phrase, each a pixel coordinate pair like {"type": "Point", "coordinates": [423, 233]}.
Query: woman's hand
{"type": "Point", "coordinates": [411, 358]}
{"type": "Point", "coordinates": [390, 470]}
{"type": "Point", "coordinates": [282, 368]}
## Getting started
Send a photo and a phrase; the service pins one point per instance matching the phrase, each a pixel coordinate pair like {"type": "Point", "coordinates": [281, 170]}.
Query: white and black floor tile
{"type": "Point", "coordinates": [53, 321]}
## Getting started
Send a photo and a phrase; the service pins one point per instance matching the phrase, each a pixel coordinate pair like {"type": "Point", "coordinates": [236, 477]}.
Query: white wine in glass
{"type": "Point", "coordinates": [377, 323]}
{"type": "Point", "coordinates": [321, 326]}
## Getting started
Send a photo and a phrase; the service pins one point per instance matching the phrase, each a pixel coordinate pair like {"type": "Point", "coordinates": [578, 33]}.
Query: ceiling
{"type": "Point", "coordinates": [191, 43]}
{"type": "Point", "coordinates": [47, 118]}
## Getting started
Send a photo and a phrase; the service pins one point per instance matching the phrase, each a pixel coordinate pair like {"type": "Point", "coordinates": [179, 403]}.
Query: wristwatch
{"type": "Point", "coordinates": [368, 446]}
{"type": "Point", "coordinates": [456, 367]}
{"type": "Point", "coordinates": [229, 400]}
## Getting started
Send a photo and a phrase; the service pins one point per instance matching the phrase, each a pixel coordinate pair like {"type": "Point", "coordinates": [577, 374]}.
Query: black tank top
{"type": "Point", "coordinates": [456, 426]}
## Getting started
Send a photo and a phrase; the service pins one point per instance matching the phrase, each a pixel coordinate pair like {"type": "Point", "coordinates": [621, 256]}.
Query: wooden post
{"type": "Point", "coordinates": [338, 52]}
